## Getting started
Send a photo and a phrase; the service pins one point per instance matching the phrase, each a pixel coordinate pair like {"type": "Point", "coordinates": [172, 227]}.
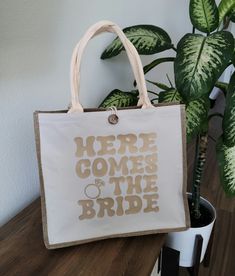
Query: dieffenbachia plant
{"type": "Point", "coordinates": [200, 59]}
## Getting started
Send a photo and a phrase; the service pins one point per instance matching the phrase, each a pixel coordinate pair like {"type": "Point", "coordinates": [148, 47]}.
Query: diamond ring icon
{"type": "Point", "coordinates": [93, 190]}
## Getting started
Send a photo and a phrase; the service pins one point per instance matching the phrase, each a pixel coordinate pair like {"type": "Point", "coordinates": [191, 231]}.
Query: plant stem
{"type": "Point", "coordinates": [200, 159]}
{"type": "Point", "coordinates": [226, 22]}
{"type": "Point", "coordinates": [194, 167]}
{"type": "Point", "coordinates": [169, 81]}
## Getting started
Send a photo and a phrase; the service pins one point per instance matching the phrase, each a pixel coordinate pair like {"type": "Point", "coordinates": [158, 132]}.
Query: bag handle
{"type": "Point", "coordinates": [100, 27]}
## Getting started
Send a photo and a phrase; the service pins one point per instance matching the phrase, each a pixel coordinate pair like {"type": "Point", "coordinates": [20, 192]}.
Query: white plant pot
{"type": "Point", "coordinates": [184, 241]}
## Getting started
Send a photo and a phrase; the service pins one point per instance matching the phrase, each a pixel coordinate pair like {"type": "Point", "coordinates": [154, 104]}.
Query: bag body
{"type": "Point", "coordinates": [111, 173]}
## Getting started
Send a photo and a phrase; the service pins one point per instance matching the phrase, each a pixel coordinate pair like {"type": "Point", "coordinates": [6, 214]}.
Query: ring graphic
{"type": "Point", "coordinates": [93, 190]}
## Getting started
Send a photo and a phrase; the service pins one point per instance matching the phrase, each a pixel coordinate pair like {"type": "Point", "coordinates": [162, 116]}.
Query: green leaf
{"type": "Point", "coordinates": [119, 98]}
{"type": "Point", "coordinates": [225, 7]}
{"type": "Point", "coordinates": [226, 160]}
{"type": "Point", "coordinates": [229, 115]}
{"type": "Point", "coordinates": [159, 85]}
{"type": "Point", "coordinates": [196, 111]}
{"type": "Point", "coordinates": [196, 116]}
{"type": "Point", "coordinates": [223, 86]}
{"type": "Point", "coordinates": [232, 15]}
{"type": "Point", "coordinates": [204, 15]}
{"type": "Point", "coordinates": [200, 61]}
{"type": "Point", "coordinates": [156, 62]}
{"type": "Point", "coordinates": [147, 39]}
{"type": "Point", "coordinates": [169, 96]}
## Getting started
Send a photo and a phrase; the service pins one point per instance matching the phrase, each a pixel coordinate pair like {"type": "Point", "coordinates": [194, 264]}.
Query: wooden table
{"type": "Point", "coordinates": [22, 252]}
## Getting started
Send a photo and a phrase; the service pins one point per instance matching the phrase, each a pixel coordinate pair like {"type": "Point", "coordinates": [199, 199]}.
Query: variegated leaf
{"type": "Point", "coordinates": [196, 116]}
{"type": "Point", "coordinates": [204, 15]}
{"type": "Point", "coordinates": [169, 96]}
{"type": "Point", "coordinates": [226, 160]}
{"type": "Point", "coordinates": [229, 115]}
{"type": "Point", "coordinates": [147, 39]}
{"type": "Point", "coordinates": [196, 111]}
{"type": "Point", "coordinates": [200, 61]}
{"type": "Point", "coordinates": [225, 7]}
{"type": "Point", "coordinates": [119, 98]}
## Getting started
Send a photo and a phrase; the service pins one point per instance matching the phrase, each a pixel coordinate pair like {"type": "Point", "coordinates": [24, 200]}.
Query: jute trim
{"type": "Point", "coordinates": [43, 201]}
{"type": "Point", "coordinates": [184, 152]}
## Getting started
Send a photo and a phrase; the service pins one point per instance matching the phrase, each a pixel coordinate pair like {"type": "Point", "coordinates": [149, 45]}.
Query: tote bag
{"type": "Point", "coordinates": [111, 173]}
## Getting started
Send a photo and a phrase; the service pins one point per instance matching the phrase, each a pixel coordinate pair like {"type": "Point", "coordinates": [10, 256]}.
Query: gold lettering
{"type": "Point", "coordinates": [88, 211]}
{"type": "Point", "coordinates": [120, 211]}
{"type": "Point", "coordinates": [116, 181]}
{"type": "Point", "coordinates": [121, 166]}
{"type": "Point", "coordinates": [83, 173]}
{"type": "Point", "coordinates": [150, 183]}
{"type": "Point", "coordinates": [135, 204]}
{"type": "Point", "coordinates": [149, 140]}
{"type": "Point", "coordinates": [151, 203]}
{"type": "Point", "coordinates": [106, 143]}
{"type": "Point", "coordinates": [99, 167]}
{"type": "Point", "coordinates": [81, 149]}
{"type": "Point", "coordinates": [127, 141]}
{"type": "Point", "coordinates": [105, 204]}
{"type": "Point", "coordinates": [151, 161]}
{"type": "Point", "coordinates": [136, 164]}
{"type": "Point", "coordinates": [134, 185]}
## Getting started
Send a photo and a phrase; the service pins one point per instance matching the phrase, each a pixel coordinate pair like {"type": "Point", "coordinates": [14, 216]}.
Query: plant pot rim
{"type": "Point", "coordinates": [206, 203]}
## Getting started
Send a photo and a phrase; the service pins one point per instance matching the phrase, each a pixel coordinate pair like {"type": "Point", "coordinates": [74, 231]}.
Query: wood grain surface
{"type": "Point", "coordinates": [22, 252]}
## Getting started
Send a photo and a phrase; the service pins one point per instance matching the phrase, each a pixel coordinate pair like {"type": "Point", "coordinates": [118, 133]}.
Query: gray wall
{"type": "Point", "coordinates": [36, 42]}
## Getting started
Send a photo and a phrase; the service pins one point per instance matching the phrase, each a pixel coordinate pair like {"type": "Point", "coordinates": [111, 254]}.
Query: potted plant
{"type": "Point", "coordinates": [200, 59]}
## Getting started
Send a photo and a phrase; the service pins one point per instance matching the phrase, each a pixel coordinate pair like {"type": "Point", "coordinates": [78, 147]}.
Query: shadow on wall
{"type": "Point", "coordinates": [27, 31]}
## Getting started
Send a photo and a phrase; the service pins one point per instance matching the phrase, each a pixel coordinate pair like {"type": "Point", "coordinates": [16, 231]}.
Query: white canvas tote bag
{"type": "Point", "coordinates": [111, 173]}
